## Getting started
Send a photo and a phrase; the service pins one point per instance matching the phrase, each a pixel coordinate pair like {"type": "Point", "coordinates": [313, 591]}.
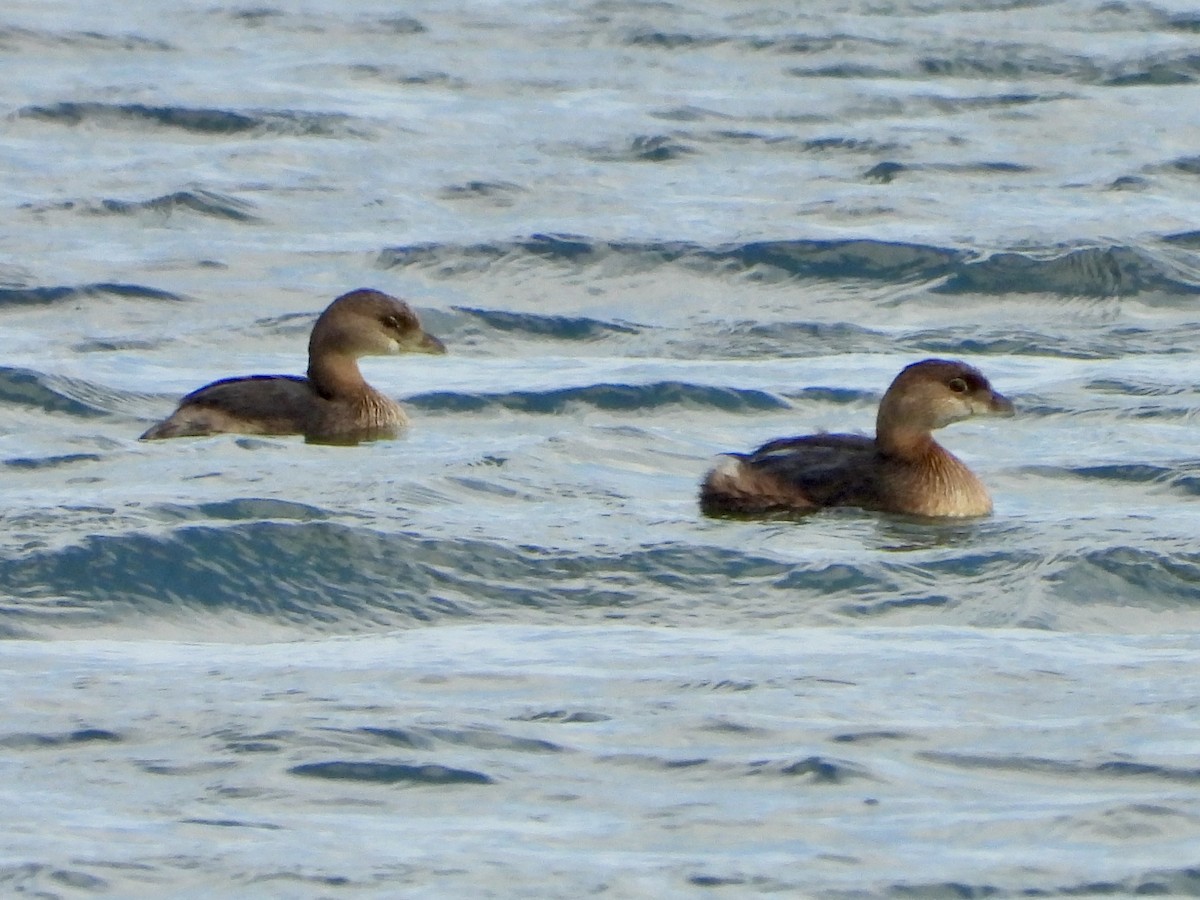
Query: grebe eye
{"type": "Point", "coordinates": [958, 385]}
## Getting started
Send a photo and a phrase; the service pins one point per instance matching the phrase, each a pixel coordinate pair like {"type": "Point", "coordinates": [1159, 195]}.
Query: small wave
{"type": "Point", "coordinates": [400, 25]}
{"type": "Point", "coordinates": [993, 101]}
{"type": "Point", "coordinates": [414, 774]}
{"type": "Point", "coordinates": [1010, 62]}
{"type": "Point", "coordinates": [1156, 71]}
{"type": "Point", "coordinates": [397, 75]}
{"type": "Point", "coordinates": [672, 40]}
{"type": "Point", "coordinates": [185, 769]}
{"type": "Point", "coordinates": [1124, 388]}
{"type": "Point", "coordinates": [1183, 882]}
{"type": "Point", "coordinates": [1129, 184]}
{"type": "Point", "coordinates": [311, 574]}
{"type": "Point", "coordinates": [50, 462]}
{"type": "Point", "coordinates": [688, 113]}
{"type": "Point", "coordinates": [562, 328]}
{"type": "Point", "coordinates": [798, 339]}
{"type": "Point", "coordinates": [476, 738]}
{"type": "Point", "coordinates": [231, 823]}
{"type": "Point", "coordinates": [1186, 239]}
{"type": "Point", "coordinates": [746, 136]}
{"type": "Point", "coordinates": [294, 123]}
{"type": "Point", "coordinates": [320, 576]}
{"type": "Point", "coordinates": [806, 44]}
{"type": "Point", "coordinates": [205, 203]}
{"type": "Point", "coordinates": [79, 737]}
{"type": "Point", "coordinates": [36, 879]}
{"type": "Point", "coordinates": [1071, 581]}
{"type": "Point", "coordinates": [754, 884]}
{"type": "Point", "coordinates": [450, 259]}
{"type": "Point", "coordinates": [886, 172]}
{"type": "Point", "coordinates": [269, 742]}
{"type": "Point", "coordinates": [1030, 343]}
{"type": "Point", "coordinates": [1184, 477]}
{"type": "Point", "coordinates": [622, 397]}
{"type": "Point", "coordinates": [844, 70]}
{"type": "Point", "coordinates": [325, 576]}
{"type": "Point", "coordinates": [642, 148]}
{"type": "Point", "coordinates": [256, 16]}
{"type": "Point", "coordinates": [857, 259]}
{"type": "Point", "coordinates": [1081, 342]}
{"type": "Point", "coordinates": [819, 770]}
{"type": "Point", "coordinates": [242, 509]}
{"type": "Point", "coordinates": [1094, 271]}
{"type": "Point", "coordinates": [1185, 165]}
{"type": "Point", "coordinates": [22, 296]}
{"type": "Point", "coordinates": [790, 44]}
{"type": "Point", "coordinates": [1062, 768]}
{"type": "Point", "coordinates": [871, 737]}
{"type": "Point", "coordinates": [1132, 473]}
{"type": "Point", "coordinates": [282, 18]}
{"type": "Point", "coordinates": [1152, 579]}
{"type": "Point", "coordinates": [17, 39]}
{"type": "Point", "coordinates": [564, 717]}
{"type": "Point", "coordinates": [1086, 272]}
{"type": "Point", "coordinates": [992, 61]}
{"type": "Point", "coordinates": [498, 193]}
{"type": "Point", "coordinates": [833, 144]}
{"type": "Point", "coordinates": [846, 145]}
{"type": "Point", "coordinates": [873, 260]}
{"type": "Point", "coordinates": [52, 394]}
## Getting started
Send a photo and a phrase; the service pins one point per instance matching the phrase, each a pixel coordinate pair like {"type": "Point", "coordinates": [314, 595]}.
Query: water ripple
{"type": "Point", "coordinates": [211, 121]}
{"type": "Point", "coordinates": [1096, 271]}
{"type": "Point", "coordinates": [623, 397]}
{"type": "Point", "coordinates": [206, 203]}
{"type": "Point", "coordinates": [23, 387]}
{"type": "Point", "coordinates": [296, 571]}
{"type": "Point", "coordinates": [25, 296]}
{"type": "Point", "coordinates": [562, 328]}
{"type": "Point", "coordinates": [13, 38]}
{"type": "Point", "coordinates": [416, 775]}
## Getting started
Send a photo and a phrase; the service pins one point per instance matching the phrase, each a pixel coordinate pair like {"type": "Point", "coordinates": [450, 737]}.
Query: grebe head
{"type": "Point", "coordinates": [935, 393]}
{"type": "Point", "coordinates": [370, 323]}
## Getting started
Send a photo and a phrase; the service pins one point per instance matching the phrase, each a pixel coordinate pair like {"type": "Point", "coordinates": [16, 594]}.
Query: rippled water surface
{"type": "Point", "coordinates": [504, 655]}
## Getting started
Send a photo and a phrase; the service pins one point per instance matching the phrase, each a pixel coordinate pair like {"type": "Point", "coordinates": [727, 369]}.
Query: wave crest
{"type": "Point", "coordinates": [1089, 271]}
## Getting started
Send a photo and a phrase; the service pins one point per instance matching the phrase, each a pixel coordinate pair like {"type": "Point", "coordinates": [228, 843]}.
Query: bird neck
{"type": "Point", "coordinates": [336, 375]}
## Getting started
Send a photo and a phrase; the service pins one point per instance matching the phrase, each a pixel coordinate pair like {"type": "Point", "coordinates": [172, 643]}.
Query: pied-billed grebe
{"type": "Point", "coordinates": [334, 403]}
{"type": "Point", "coordinates": [901, 470]}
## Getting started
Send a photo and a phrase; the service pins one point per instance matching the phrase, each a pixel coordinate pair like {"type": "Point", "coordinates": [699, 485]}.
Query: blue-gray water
{"type": "Point", "coordinates": [504, 655]}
